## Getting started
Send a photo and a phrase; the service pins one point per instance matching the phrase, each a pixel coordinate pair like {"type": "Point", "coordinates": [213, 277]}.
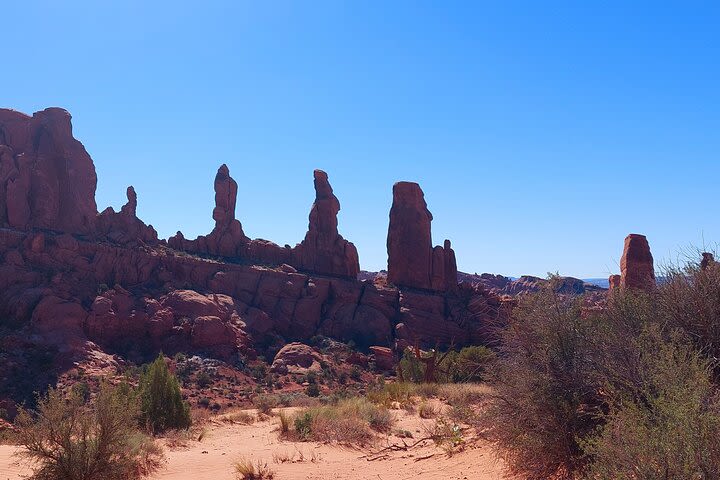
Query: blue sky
{"type": "Point", "coordinates": [541, 132]}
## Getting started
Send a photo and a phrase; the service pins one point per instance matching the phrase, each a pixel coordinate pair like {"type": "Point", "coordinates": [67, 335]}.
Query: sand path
{"type": "Point", "coordinates": [223, 444]}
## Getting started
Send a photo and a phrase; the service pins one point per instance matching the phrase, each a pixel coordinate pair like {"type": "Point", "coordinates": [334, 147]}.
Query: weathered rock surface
{"type": "Point", "coordinates": [412, 260]}
{"type": "Point", "coordinates": [47, 179]}
{"type": "Point", "coordinates": [383, 357]}
{"type": "Point", "coordinates": [296, 358]}
{"type": "Point", "coordinates": [123, 227]}
{"type": "Point", "coordinates": [324, 250]}
{"type": "Point", "coordinates": [636, 265]}
{"type": "Point", "coordinates": [73, 281]}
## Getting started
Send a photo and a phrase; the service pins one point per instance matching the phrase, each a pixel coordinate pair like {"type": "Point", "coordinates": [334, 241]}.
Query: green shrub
{"type": "Point", "coordinates": [69, 440]}
{"type": "Point", "coordinates": [353, 420]}
{"type": "Point", "coordinates": [162, 405]}
{"type": "Point", "coordinates": [265, 403]}
{"type": "Point", "coordinates": [313, 390]}
{"type": "Point", "coordinates": [303, 424]}
{"type": "Point", "coordinates": [667, 425]}
{"type": "Point", "coordinates": [545, 402]}
{"type": "Point", "coordinates": [410, 369]}
{"type": "Point", "coordinates": [203, 380]}
{"type": "Point", "coordinates": [470, 364]}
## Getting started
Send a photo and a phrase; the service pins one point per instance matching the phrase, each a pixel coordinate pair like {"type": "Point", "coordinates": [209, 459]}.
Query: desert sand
{"type": "Point", "coordinates": [224, 443]}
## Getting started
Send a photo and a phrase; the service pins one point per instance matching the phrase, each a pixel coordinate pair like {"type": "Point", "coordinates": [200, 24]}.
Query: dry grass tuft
{"type": "Point", "coordinates": [245, 469]}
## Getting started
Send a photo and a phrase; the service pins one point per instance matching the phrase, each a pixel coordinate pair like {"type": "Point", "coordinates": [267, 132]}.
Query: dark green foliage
{"type": "Point", "coordinates": [162, 405]}
{"type": "Point", "coordinates": [203, 380]}
{"type": "Point", "coordinates": [313, 390]}
{"type": "Point", "coordinates": [409, 368]}
{"type": "Point", "coordinates": [303, 425]}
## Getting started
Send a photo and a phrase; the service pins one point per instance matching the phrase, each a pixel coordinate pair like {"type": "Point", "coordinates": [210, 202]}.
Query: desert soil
{"type": "Point", "coordinates": [224, 443]}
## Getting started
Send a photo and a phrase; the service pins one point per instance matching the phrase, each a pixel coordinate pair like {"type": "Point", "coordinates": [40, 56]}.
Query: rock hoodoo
{"type": "Point", "coordinates": [324, 250]}
{"type": "Point", "coordinates": [83, 284]}
{"type": "Point", "coordinates": [636, 265]}
{"type": "Point", "coordinates": [412, 260]}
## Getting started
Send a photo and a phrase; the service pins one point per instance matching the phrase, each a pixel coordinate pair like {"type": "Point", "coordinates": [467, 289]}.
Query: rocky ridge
{"type": "Point", "coordinates": [75, 282]}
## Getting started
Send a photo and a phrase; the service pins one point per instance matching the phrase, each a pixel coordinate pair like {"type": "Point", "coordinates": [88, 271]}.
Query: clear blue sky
{"type": "Point", "coordinates": [541, 132]}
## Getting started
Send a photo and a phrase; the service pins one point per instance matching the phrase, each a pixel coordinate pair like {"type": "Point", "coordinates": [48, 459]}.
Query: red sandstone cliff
{"type": "Point", "coordinates": [76, 281]}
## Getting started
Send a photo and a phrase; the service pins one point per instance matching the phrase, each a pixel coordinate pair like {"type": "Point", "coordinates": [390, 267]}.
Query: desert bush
{"type": "Point", "coordinates": [352, 420]}
{"type": "Point", "coordinates": [203, 380]}
{"type": "Point", "coordinates": [245, 469]}
{"type": "Point", "coordinates": [400, 393]}
{"type": "Point", "coordinates": [410, 369]}
{"type": "Point", "coordinates": [666, 426]}
{"type": "Point", "coordinates": [312, 390]}
{"type": "Point", "coordinates": [162, 405]}
{"type": "Point", "coordinates": [265, 403]}
{"type": "Point", "coordinates": [426, 410]}
{"type": "Point", "coordinates": [545, 401]}
{"type": "Point", "coordinates": [625, 392]}
{"type": "Point", "coordinates": [470, 364]}
{"type": "Point", "coordinates": [284, 420]}
{"type": "Point", "coordinates": [69, 440]}
{"type": "Point", "coordinates": [690, 299]}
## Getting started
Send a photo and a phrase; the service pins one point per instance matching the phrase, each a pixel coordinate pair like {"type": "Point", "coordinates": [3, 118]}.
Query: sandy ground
{"type": "Point", "coordinates": [224, 443]}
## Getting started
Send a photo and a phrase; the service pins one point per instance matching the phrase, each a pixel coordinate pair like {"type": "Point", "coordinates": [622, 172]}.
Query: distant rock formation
{"type": "Point", "coordinates": [47, 179]}
{"type": "Point", "coordinates": [707, 260]}
{"type": "Point", "coordinates": [636, 265]}
{"type": "Point", "coordinates": [412, 260]}
{"type": "Point", "coordinates": [323, 250]}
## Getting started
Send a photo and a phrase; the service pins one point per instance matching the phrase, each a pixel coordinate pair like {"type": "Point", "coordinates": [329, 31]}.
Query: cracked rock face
{"type": "Point", "coordinates": [47, 179]}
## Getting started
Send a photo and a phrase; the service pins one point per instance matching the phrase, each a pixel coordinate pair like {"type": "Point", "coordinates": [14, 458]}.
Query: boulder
{"type": "Point", "coordinates": [383, 358]}
{"type": "Point", "coordinates": [296, 358]}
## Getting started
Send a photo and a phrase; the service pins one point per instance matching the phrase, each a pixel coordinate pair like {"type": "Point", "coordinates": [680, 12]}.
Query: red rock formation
{"type": "Point", "coordinates": [412, 261]}
{"type": "Point", "coordinates": [324, 250]}
{"type": "Point", "coordinates": [636, 266]}
{"type": "Point", "coordinates": [124, 228]}
{"type": "Point", "coordinates": [117, 286]}
{"type": "Point", "coordinates": [227, 239]}
{"type": "Point", "coordinates": [47, 179]}
{"type": "Point", "coordinates": [296, 358]}
{"type": "Point", "coordinates": [614, 281]}
{"type": "Point", "coordinates": [707, 260]}
{"type": "Point", "coordinates": [383, 357]}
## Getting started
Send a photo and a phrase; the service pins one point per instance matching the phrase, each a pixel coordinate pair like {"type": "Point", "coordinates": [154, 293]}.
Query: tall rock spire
{"type": "Point", "coordinates": [412, 260]}
{"type": "Point", "coordinates": [636, 265]}
{"type": "Point", "coordinates": [324, 250]}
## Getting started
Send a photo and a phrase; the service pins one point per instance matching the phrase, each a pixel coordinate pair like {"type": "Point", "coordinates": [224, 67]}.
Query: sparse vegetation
{"type": "Point", "coordinates": [352, 421]}
{"type": "Point", "coordinates": [623, 392]}
{"type": "Point", "coordinates": [70, 440]}
{"type": "Point", "coordinates": [246, 469]}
